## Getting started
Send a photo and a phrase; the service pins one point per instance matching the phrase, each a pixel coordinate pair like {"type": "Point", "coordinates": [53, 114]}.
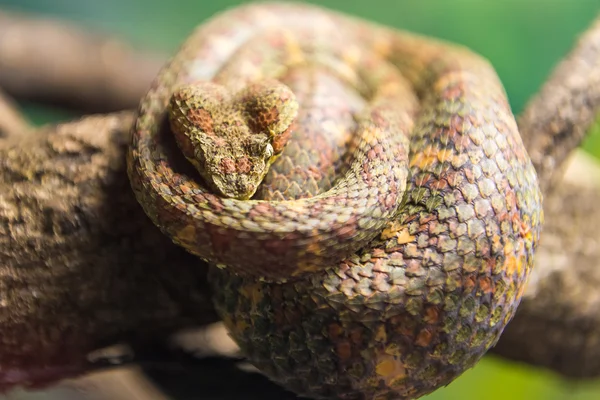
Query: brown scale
{"type": "Point", "coordinates": [313, 158]}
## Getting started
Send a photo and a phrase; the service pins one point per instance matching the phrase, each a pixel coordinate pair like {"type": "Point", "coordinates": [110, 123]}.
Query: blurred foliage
{"type": "Point", "coordinates": [523, 39]}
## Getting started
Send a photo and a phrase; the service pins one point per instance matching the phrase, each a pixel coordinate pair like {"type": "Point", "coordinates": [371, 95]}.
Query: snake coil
{"type": "Point", "coordinates": [390, 241]}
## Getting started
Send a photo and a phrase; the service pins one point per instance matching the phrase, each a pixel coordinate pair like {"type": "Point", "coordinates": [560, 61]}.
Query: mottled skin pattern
{"type": "Point", "coordinates": [232, 140]}
{"type": "Point", "coordinates": [408, 308]}
{"type": "Point", "coordinates": [285, 238]}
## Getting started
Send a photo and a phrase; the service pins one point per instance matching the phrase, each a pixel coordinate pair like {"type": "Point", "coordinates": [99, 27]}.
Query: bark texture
{"type": "Point", "coordinates": [81, 266]}
{"type": "Point", "coordinates": [558, 118]}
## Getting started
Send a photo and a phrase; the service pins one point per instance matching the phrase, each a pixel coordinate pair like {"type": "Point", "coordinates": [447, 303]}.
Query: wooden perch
{"type": "Point", "coordinates": [557, 119]}
{"type": "Point", "coordinates": [81, 266]}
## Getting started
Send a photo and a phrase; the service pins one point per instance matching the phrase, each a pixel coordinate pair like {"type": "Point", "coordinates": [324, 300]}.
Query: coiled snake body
{"type": "Point", "coordinates": [390, 240]}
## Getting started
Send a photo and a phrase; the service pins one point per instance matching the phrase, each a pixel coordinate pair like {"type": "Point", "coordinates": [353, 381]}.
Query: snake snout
{"type": "Point", "coordinates": [235, 187]}
{"type": "Point", "coordinates": [239, 177]}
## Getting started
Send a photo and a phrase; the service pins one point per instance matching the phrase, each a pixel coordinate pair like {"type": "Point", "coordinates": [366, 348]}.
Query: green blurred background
{"type": "Point", "coordinates": [523, 39]}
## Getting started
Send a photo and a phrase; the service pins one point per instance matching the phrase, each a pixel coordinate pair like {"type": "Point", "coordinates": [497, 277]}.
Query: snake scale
{"type": "Point", "coordinates": [362, 193]}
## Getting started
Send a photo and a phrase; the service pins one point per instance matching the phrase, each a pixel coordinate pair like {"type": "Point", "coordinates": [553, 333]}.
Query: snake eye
{"type": "Point", "coordinates": [259, 147]}
{"type": "Point", "coordinates": [269, 151]}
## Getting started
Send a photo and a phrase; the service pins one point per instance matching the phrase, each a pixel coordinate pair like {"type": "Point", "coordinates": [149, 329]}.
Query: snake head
{"type": "Point", "coordinates": [232, 139]}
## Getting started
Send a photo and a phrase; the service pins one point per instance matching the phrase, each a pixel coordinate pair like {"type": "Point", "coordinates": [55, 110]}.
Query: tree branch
{"type": "Point", "coordinates": [81, 266]}
{"type": "Point", "coordinates": [558, 118]}
{"type": "Point", "coordinates": [58, 63]}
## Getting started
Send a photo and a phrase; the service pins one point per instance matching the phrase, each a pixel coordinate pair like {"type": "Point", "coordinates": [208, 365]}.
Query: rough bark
{"type": "Point", "coordinates": [81, 265]}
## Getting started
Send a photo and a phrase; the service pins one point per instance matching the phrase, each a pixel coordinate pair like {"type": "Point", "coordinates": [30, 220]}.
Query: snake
{"type": "Point", "coordinates": [361, 194]}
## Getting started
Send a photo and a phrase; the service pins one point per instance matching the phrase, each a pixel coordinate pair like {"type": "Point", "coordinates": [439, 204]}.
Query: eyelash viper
{"type": "Point", "coordinates": [391, 239]}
